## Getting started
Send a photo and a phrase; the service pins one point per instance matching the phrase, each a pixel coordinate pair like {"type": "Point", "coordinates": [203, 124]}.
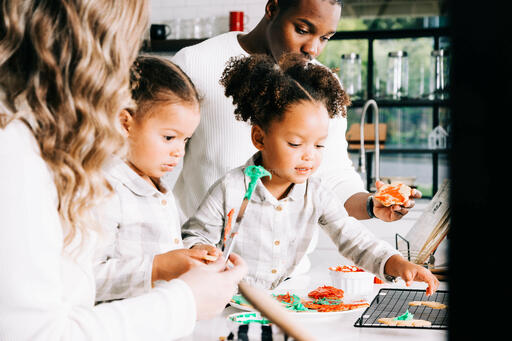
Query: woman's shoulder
{"type": "Point", "coordinates": [20, 150]}
{"type": "Point", "coordinates": [17, 139]}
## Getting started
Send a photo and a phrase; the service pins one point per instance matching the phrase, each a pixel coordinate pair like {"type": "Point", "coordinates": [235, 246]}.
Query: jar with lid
{"type": "Point", "coordinates": [397, 83]}
{"type": "Point", "coordinates": [350, 74]}
{"type": "Point", "coordinates": [439, 74]}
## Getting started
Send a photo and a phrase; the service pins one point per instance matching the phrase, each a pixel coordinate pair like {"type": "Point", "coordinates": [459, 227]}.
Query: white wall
{"type": "Point", "coordinates": [162, 11]}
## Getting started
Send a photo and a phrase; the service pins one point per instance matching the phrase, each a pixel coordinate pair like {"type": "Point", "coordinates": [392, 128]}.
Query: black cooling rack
{"type": "Point", "coordinates": [394, 302]}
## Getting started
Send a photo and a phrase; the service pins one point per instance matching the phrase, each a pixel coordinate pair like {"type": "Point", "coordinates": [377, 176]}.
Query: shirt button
{"type": "Point", "coordinates": [279, 208]}
{"type": "Point", "coordinates": [277, 242]}
{"type": "Point", "coordinates": [164, 202]}
{"type": "Point", "coordinates": [274, 271]}
{"type": "Point", "coordinates": [176, 241]}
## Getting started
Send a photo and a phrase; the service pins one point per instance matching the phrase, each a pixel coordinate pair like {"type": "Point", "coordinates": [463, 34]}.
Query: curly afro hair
{"type": "Point", "coordinates": [263, 90]}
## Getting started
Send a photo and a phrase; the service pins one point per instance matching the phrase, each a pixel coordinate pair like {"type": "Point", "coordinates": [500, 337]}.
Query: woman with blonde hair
{"type": "Point", "coordinates": [63, 78]}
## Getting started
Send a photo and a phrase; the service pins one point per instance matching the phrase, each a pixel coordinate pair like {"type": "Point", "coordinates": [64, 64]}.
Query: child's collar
{"type": "Point", "coordinates": [120, 170]}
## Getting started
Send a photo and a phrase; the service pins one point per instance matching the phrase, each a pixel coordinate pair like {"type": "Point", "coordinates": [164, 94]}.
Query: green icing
{"type": "Point", "coordinates": [247, 318]}
{"type": "Point", "coordinates": [254, 172]}
{"type": "Point", "coordinates": [327, 301]}
{"type": "Point", "coordinates": [295, 305]}
{"type": "Point", "coordinates": [239, 299]}
{"type": "Point", "coordinates": [405, 317]}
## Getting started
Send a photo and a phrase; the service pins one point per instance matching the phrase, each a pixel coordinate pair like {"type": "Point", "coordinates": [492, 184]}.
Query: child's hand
{"type": "Point", "coordinates": [210, 250]}
{"type": "Point", "coordinates": [172, 264]}
{"type": "Point", "coordinates": [213, 285]}
{"type": "Point", "coordinates": [393, 212]}
{"type": "Point", "coordinates": [399, 267]}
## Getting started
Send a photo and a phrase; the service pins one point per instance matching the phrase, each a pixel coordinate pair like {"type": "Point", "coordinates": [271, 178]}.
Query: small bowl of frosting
{"type": "Point", "coordinates": [354, 281]}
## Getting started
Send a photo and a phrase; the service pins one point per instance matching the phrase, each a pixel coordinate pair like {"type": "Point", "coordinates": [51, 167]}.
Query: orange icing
{"type": "Point", "coordinates": [393, 194]}
{"type": "Point", "coordinates": [228, 224]}
{"type": "Point", "coordinates": [346, 268]}
{"type": "Point", "coordinates": [326, 292]}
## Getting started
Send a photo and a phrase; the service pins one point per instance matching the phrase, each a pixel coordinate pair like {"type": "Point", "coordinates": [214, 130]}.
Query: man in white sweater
{"type": "Point", "coordinates": [222, 143]}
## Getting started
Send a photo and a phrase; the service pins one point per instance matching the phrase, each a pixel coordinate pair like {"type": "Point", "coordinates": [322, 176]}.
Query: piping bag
{"type": "Point", "coordinates": [260, 299]}
{"type": "Point", "coordinates": [254, 173]}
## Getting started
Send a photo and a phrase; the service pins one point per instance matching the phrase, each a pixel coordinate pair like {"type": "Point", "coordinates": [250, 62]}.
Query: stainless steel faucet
{"type": "Point", "coordinates": [377, 146]}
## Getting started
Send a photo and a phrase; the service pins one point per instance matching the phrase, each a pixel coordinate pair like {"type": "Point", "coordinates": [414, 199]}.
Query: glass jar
{"type": "Point", "coordinates": [350, 74]}
{"type": "Point", "coordinates": [439, 74]}
{"type": "Point", "coordinates": [397, 84]}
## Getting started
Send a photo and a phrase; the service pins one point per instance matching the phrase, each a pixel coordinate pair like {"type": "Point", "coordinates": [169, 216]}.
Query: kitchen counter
{"type": "Point", "coordinates": [338, 327]}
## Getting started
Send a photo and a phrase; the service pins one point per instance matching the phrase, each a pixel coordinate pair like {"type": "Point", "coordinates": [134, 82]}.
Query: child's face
{"type": "Point", "coordinates": [157, 140]}
{"type": "Point", "coordinates": [292, 148]}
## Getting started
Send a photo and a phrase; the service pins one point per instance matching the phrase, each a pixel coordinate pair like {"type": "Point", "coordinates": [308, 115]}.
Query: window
{"type": "Point", "coordinates": [410, 119]}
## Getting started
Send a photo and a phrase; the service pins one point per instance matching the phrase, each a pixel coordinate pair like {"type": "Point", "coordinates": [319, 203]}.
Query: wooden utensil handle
{"type": "Point", "coordinates": [275, 312]}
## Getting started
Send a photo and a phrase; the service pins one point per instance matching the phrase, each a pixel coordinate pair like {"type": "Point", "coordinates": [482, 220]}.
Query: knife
{"type": "Point", "coordinates": [253, 172]}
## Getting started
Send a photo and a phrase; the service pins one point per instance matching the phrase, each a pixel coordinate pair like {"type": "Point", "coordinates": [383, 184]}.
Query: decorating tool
{"type": "Point", "coordinates": [227, 227]}
{"type": "Point", "coordinates": [254, 173]}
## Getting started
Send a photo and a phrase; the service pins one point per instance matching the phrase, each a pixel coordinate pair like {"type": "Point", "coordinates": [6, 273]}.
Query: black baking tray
{"type": "Point", "coordinates": [390, 302]}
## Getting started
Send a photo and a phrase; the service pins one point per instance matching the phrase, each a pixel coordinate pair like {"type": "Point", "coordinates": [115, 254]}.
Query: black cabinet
{"type": "Point", "coordinates": [371, 36]}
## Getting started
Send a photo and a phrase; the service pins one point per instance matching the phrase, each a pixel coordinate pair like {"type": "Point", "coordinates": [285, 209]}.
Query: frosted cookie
{"type": "Point", "coordinates": [390, 321]}
{"type": "Point", "coordinates": [430, 304]}
{"type": "Point", "coordinates": [326, 291]}
{"type": "Point", "coordinates": [406, 320]}
{"type": "Point", "coordinates": [240, 300]}
{"type": "Point", "coordinates": [390, 195]}
{"type": "Point", "coordinates": [210, 258]}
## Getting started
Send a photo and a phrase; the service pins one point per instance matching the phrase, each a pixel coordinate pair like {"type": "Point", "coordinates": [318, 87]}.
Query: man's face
{"type": "Point", "coordinates": [304, 28]}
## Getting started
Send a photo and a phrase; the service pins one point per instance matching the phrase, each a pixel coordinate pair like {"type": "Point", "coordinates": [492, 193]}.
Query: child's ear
{"type": "Point", "coordinates": [257, 137]}
{"type": "Point", "coordinates": [126, 121]}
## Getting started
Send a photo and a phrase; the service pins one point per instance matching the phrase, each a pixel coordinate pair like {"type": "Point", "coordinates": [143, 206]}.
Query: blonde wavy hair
{"type": "Point", "coordinates": [64, 70]}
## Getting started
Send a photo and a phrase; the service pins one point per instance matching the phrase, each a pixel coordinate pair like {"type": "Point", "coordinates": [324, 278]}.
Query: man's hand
{"type": "Point", "coordinates": [393, 212]}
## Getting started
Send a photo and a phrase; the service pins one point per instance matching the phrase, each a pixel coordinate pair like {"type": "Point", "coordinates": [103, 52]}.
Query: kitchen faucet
{"type": "Point", "coordinates": [377, 146]}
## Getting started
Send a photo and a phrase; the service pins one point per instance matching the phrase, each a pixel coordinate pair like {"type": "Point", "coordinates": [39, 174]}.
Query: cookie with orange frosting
{"type": "Point", "coordinates": [396, 194]}
{"type": "Point", "coordinates": [326, 291]}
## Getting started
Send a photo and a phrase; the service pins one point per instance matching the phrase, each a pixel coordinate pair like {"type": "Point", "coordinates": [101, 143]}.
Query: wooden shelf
{"type": "Point", "coordinates": [402, 150]}
{"type": "Point", "coordinates": [168, 45]}
{"type": "Point", "coordinates": [405, 102]}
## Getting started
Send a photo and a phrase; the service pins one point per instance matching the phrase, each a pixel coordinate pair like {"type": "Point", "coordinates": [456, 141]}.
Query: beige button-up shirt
{"type": "Point", "coordinates": [275, 234]}
{"type": "Point", "coordinates": [138, 222]}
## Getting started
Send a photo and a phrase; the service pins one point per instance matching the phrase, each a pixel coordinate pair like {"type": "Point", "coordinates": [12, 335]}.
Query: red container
{"type": "Point", "coordinates": [236, 21]}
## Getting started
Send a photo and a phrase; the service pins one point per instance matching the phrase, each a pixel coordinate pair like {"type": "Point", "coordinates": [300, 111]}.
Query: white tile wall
{"type": "Point", "coordinates": [163, 11]}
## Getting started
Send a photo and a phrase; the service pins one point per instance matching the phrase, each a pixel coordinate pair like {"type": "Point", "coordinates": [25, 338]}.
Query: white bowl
{"type": "Point", "coordinates": [355, 284]}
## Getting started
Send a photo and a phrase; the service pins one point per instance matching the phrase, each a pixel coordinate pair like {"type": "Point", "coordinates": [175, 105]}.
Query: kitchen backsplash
{"type": "Point", "coordinates": [167, 11]}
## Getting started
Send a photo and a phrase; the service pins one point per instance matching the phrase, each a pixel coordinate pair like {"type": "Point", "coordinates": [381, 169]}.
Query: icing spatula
{"type": "Point", "coordinates": [254, 173]}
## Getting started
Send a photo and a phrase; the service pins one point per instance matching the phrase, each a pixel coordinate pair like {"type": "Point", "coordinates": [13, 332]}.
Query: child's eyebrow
{"type": "Point", "coordinates": [296, 134]}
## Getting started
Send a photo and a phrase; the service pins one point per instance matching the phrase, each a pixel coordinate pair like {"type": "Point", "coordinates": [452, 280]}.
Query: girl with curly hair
{"type": "Point", "coordinates": [288, 106]}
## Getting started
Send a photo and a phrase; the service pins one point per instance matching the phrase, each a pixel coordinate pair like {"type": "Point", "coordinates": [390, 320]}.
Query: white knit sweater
{"type": "Point", "coordinates": [222, 143]}
{"type": "Point", "coordinates": [46, 292]}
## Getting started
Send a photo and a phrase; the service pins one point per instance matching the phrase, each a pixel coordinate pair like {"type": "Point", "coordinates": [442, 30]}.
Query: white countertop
{"type": "Point", "coordinates": [341, 326]}
{"type": "Point", "coordinates": [329, 328]}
